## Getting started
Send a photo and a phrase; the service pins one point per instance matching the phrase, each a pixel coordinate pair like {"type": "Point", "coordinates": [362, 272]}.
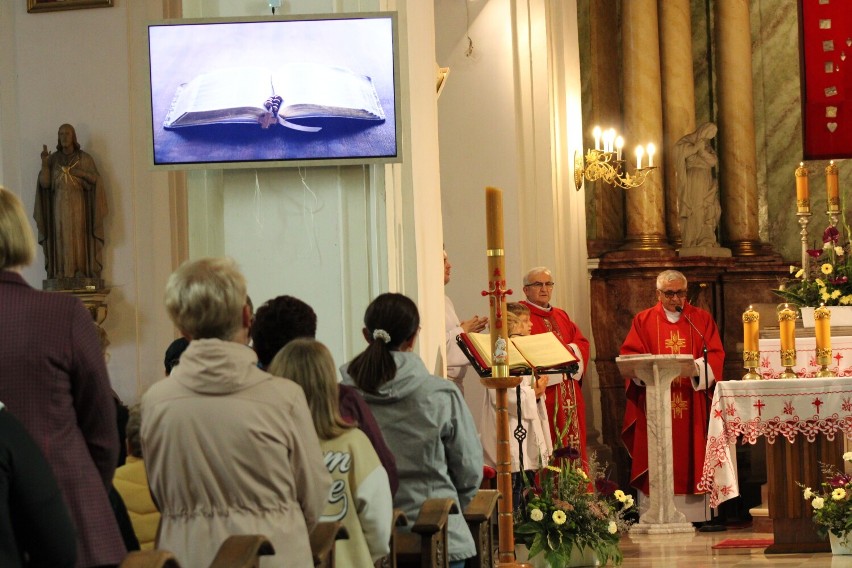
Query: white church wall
{"type": "Point", "coordinates": [83, 67]}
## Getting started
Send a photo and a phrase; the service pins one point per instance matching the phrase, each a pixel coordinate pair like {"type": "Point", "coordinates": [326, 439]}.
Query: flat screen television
{"type": "Point", "coordinates": [274, 91]}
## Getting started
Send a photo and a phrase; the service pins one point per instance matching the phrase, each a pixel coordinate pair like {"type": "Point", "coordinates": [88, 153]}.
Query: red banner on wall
{"type": "Point", "coordinates": [825, 37]}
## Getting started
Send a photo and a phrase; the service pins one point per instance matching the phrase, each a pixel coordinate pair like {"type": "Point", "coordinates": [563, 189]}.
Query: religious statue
{"type": "Point", "coordinates": [698, 192]}
{"type": "Point", "coordinates": [70, 207]}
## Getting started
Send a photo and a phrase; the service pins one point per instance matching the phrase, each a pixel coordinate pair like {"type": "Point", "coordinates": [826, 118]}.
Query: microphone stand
{"type": "Point", "coordinates": [710, 525]}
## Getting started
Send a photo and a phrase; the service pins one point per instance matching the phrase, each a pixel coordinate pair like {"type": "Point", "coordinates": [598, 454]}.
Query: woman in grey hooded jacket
{"type": "Point", "coordinates": [423, 418]}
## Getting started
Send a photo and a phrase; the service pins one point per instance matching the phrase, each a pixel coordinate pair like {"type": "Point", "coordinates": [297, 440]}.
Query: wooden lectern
{"type": "Point", "coordinates": [658, 372]}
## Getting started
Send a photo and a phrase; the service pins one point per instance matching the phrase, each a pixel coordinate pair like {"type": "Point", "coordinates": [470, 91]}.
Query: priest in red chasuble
{"type": "Point", "coordinates": [663, 330]}
{"type": "Point", "coordinates": [564, 397]}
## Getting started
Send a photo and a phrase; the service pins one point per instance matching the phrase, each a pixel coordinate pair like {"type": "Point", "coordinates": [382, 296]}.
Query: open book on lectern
{"type": "Point", "coordinates": [257, 95]}
{"type": "Point", "coordinates": [542, 352]}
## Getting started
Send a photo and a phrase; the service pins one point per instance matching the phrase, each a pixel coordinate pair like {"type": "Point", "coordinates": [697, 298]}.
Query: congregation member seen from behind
{"type": "Point", "coordinates": [424, 418]}
{"type": "Point", "coordinates": [229, 449]}
{"type": "Point", "coordinates": [131, 482]}
{"type": "Point", "coordinates": [53, 378]}
{"type": "Point", "coordinates": [360, 496]}
{"type": "Point", "coordinates": [285, 318]}
{"type": "Point", "coordinates": [35, 528]}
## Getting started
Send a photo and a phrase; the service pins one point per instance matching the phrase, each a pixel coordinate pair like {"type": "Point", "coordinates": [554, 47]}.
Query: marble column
{"type": "Point", "coordinates": [643, 123]}
{"type": "Point", "coordinates": [737, 153]}
{"type": "Point", "coordinates": [678, 96]}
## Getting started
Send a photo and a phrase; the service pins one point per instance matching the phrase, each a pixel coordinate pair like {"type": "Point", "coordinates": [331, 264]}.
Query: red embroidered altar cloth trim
{"type": "Point", "coordinates": [781, 407]}
{"type": "Point", "coordinates": [806, 364]}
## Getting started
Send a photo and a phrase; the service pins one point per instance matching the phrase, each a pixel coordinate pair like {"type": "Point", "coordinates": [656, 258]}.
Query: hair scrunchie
{"type": "Point", "coordinates": [382, 334]}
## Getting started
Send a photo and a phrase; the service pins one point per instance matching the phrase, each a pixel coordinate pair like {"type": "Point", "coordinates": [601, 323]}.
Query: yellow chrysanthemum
{"type": "Point", "coordinates": [846, 300]}
{"type": "Point", "coordinates": [819, 282]}
{"type": "Point", "coordinates": [825, 296]}
{"type": "Point", "coordinates": [818, 503]}
{"type": "Point", "coordinates": [838, 251]}
{"type": "Point", "coordinates": [838, 494]}
{"type": "Point", "coordinates": [835, 294]}
{"type": "Point", "coordinates": [536, 515]}
{"type": "Point", "coordinates": [826, 269]}
{"type": "Point", "coordinates": [559, 517]}
{"type": "Point", "coordinates": [613, 528]}
{"type": "Point", "coordinates": [620, 495]}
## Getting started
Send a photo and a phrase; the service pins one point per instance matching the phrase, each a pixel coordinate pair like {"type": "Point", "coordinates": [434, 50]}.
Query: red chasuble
{"type": "Point", "coordinates": [566, 398]}
{"type": "Point", "coordinates": [654, 334]}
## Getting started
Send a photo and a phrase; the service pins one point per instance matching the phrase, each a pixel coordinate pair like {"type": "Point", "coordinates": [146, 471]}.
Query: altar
{"type": "Point", "coordinates": [806, 365]}
{"type": "Point", "coordinates": [816, 413]}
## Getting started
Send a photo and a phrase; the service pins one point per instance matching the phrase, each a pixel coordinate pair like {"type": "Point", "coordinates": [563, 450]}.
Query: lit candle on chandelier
{"type": "Point", "coordinates": [596, 132]}
{"type": "Point", "coordinates": [619, 145]}
{"type": "Point", "coordinates": [651, 151]}
{"type": "Point", "coordinates": [832, 187]}
{"type": "Point", "coordinates": [640, 151]}
{"type": "Point", "coordinates": [803, 202]}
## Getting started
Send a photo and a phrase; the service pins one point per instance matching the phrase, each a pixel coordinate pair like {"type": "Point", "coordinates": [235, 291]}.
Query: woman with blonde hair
{"type": "Point", "coordinates": [54, 380]}
{"type": "Point", "coordinates": [360, 496]}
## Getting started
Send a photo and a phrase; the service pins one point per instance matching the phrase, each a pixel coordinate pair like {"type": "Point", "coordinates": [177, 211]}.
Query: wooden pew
{"type": "Point", "coordinates": [323, 538]}
{"type": "Point", "coordinates": [426, 546]}
{"type": "Point", "coordinates": [398, 520]}
{"type": "Point", "coordinates": [480, 515]}
{"type": "Point", "coordinates": [149, 559]}
{"type": "Point", "coordinates": [242, 551]}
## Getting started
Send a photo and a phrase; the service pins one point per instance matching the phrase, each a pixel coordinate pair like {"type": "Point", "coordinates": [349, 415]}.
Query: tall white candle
{"type": "Point", "coordinates": [651, 150]}
{"type": "Point", "coordinates": [639, 152]}
{"type": "Point", "coordinates": [596, 132]}
{"type": "Point", "coordinates": [611, 138]}
{"type": "Point", "coordinates": [619, 144]}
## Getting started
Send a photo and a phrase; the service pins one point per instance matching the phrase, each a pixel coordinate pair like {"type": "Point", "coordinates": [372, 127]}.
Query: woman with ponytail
{"type": "Point", "coordinates": [424, 419]}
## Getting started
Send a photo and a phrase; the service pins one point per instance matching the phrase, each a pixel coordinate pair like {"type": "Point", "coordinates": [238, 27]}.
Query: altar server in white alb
{"type": "Point", "coordinates": [457, 363]}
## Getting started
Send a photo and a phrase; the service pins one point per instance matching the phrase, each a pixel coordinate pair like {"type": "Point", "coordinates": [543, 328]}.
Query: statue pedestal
{"type": "Point", "coordinates": [72, 284]}
{"type": "Point", "coordinates": [712, 252]}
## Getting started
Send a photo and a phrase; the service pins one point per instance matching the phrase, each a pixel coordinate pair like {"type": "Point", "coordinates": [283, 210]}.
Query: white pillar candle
{"type": "Point", "coordinates": [639, 152]}
{"type": "Point", "coordinates": [651, 150]}
{"type": "Point", "coordinates": [596, 132]}
{"type": "Point", "coordinates": [619, 144]}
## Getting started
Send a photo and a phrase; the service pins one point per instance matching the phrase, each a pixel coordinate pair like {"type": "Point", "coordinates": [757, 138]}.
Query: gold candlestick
{"type": "Point", "coordinates": [786, 327]}
{"type": "Point", "coordinates": [751, 346]}
{"type": "Point", "coordinates": [822, 331]}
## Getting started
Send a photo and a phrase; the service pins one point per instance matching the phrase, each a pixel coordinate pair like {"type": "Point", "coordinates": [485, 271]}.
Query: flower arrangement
{"type": "Point", "coordinates": [828, 278]}
{"type": "Point", "coordinates": [832, 503]}
{"type": "Point", "coordinates": [568, 508]}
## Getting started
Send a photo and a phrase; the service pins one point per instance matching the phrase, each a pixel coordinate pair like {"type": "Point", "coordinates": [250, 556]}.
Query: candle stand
{"type": "Point", "coordinates": [788, 361]}
{"type": "Point", "coordinates": [824, 360]}
{"type": "Point", "coordinates": [804, 219]}
{"type": "Point", "coordinates": [751, 359]}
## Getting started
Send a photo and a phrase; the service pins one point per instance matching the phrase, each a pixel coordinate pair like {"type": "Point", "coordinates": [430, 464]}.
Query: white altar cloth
{"type": "Point", "coordinates": [806, 365]}
{"type": "Point", "coordinates": [782, 407]}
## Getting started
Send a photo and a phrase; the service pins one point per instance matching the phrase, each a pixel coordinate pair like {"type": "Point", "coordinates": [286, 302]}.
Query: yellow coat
{"type": "Point", "coordinates": [131, 482]}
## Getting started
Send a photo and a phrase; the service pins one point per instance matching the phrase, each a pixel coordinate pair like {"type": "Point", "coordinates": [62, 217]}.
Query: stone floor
{"type": "Point", "coordinates": [694, 551]}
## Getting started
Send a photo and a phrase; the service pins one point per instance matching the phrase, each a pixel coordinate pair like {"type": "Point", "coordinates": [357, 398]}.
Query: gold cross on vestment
{"type": "Point", "coordinates": [675, 342]}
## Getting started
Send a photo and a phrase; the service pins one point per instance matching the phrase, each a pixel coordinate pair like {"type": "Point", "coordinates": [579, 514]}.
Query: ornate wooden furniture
{"type": "Point", "coordinates": [480, 516]}
{"type": "Point", "coordinates": [323, 538]}
{"type": "Point", "coordinates": [426, 546]}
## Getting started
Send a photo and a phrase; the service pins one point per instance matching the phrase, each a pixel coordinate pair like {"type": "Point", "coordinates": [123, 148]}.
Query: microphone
{"type": "Point", "coordinates": [711, 526]}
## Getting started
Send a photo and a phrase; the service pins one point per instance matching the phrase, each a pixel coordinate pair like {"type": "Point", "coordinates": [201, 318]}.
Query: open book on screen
{"type": "Point", "coordinates": [257, 95]}
{"type": "Point", "coordinates": [542, 352]}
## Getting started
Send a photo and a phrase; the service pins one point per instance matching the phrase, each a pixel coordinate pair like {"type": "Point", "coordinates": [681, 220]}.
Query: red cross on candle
{"type": "Point", "coordinates": [759, 406]}
{"type": "Point", "coordinates": [497, 292]}
{"type": "Point", "coordinates": [817, 402]}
